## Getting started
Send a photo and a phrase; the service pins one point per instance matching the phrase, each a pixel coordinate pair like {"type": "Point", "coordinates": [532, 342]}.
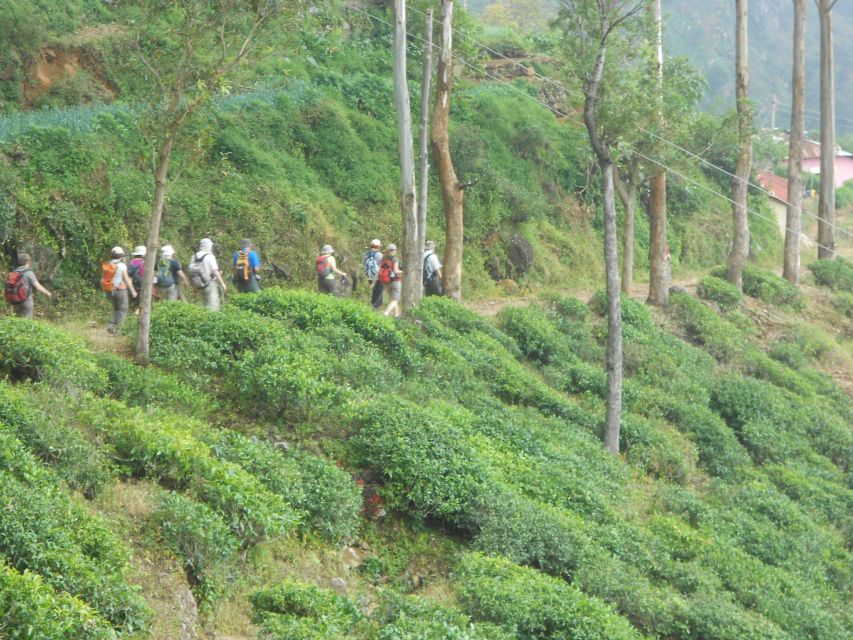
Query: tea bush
{"type": "Point", "coordinates": [717, 290]}
{"type": "Point", "coordinates": [142, 387]}
{"type": "Point", "coordinates": [38, 351]}
{"type": "Point", "coordinates": [32, 610]}
{"type": "Point", "coordinates": [430, 469]}
{"type": "Point", "coordinates": [154, 445]}
{"type": "Point", "coordinates": [82, 465]}
{"type": "Point", "coordinates": [326, 494]}
{"type": "Point", "coordinates": [767, 287]}
{"type": "Point", "coordinates": [533, 605]}
{"type": "Point", "coordinates": [200, 539]}
{"type": "Point", "coordinates": [451, 315]}
{"type": "Point", "coordinates": [48, 534]}
{"type": "Point", "coordinates": [412, 618]}
{"type": "Point", "coordinates": [722, 340]}
{"type": "Point", "coordinates": [315, 312]}
{"type": "Point", "coordinates": [843, 303]}
{"type": "Point", "coordinates": [836, 274]}
{"type": "Point", "coordinates": [294, 610]}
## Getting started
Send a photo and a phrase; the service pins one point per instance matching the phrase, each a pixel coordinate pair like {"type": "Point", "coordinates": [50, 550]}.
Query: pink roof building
{"type": "Point", "coordinates": [843, 162]}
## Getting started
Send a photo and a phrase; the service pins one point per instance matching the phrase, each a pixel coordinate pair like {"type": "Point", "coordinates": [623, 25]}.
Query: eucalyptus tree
{"type": "Point", "coordinates": [826, 202]}
{"type": "Point", "coordinates": [591, 29]}
{"type": "Point", "coordinates": [793, 219]}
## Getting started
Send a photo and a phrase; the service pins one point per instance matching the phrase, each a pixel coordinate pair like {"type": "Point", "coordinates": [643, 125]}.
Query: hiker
{"type": "Point", "coordinates": [205, 277]}
{"type": "Point", "coordinates": [117, 284]}
{"type": "Point", "coordinates": [391, 274]}
{"type": "Point", "coordinates": [246, 264]}
{"type": "Point", "coordinates": [371, 260]}
{"type": "Point", "coordinates": [19, 287]}
{"type": "Point", "coordinates": [433, 284]}
{"type": "Point", "coordinates": [169, 273]}
{"type": "Point", "coordinates": [327, 269]}
{"type": "Point", "coordinates": [136, 271]}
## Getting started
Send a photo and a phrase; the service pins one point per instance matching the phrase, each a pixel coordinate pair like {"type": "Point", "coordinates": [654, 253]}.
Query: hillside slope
{"type": "Point", "coordinates": [316, 471]}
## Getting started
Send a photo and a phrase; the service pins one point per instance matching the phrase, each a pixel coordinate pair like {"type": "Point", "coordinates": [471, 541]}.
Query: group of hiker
{"type": "Point", "coordinates": [122, 281]}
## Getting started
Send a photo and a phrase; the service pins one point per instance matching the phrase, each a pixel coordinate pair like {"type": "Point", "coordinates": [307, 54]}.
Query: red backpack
{"type": "Point", "coordinates": [386, 271]}
{"type": "Point", "coordinates": [17, 289]}
{"type": "Point", "coordinates": [323, 267]}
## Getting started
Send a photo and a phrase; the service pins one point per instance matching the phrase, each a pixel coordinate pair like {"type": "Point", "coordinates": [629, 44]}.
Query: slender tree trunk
{"type": "Point", "coordinates": [627, 193]}
{"type": "Point", "coordinates": [423, 143]}
{"type": "Point", "coordinates": [740, 242]}
{"type": "Point", "coordinates": [791, 270]}
{"type": "Point", "coordinates": [611, 260]}
{"type": "Point", "coordinates": [408, 199]}
{"type": "Point", "coordinates": [160, 184]}
{"type": "Point", "coordinates": [826, 203]}
{"type": "Point", "coordinates": [452, 192]}
{"type": "Point", "coordinates": [659, 272]}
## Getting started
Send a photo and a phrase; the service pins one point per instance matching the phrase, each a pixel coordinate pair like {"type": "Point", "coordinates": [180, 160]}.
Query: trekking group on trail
{"type": "Point", "coordinates": [122, 282]}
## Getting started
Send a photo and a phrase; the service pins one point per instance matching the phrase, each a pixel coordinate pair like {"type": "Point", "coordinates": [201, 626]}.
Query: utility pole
{"type": "Point", "coordinates": [774, 103]}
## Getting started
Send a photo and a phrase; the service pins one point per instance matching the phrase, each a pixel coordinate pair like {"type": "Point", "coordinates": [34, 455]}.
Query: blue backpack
{"type": "Point", "coordinates": [371, 264]}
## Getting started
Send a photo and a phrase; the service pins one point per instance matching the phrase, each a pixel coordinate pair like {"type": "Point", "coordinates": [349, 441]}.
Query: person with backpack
{"type": "Point", "coordinates": [205, 276]}
{"type": "Point", "coordinates": [433, 285]}
{"type": "Point", "coordinates": [327, 269]}
{"type": "Point", "coordinates": [246, 264]}
{"type": "Point", "coordinates": [391, 275]}
{"type": "Point", "coordinates": [169, 274]}
{"type": "Point", "coordinates": [136, 271]}
{"type": "Point", "coordinates": [20, 284]}
{"type": "Point", "coordinates": [117, 284]}
{"type": "Point", "coordinates": [371, 260]}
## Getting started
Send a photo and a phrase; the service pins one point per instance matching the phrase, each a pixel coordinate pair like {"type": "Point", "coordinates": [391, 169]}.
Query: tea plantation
{"type": "Point", "coordinates": [457, 459]}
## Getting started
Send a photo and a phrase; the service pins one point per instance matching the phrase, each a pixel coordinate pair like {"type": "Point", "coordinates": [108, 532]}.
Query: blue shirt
{"type": "Point", "coordinates": [254, 260]}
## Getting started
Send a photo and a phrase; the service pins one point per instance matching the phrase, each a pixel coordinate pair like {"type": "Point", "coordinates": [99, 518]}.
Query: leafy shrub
{"type": "Point", "coordinates": [32, 610]}
{"type": "Point", "coordinates": [82, 465]}
{"type": "Point", "coordinates": [836, 274]}
{"type": "Point", "coordinates": [715, 617]}
{"type": "Point", "coordinates": [154, 445]}
{"type": "Point", "coordinates": [843, 303]}
{"type": "Point", "coordinates": [726, 295]}
{"type": "Point", "coordinates": [411, 618]}
{"type": "Point", "coordinates": [200, 539]}
{"type": "Point", "coordinates": [429, 467]}
{"type": "Point", "coordinates": [48, 534]}
{"type": "Point", "coordinates": [536, 337]}
{"type": "Point", "coordinates": [293, 610]}
{"type": "Point", "coordinates": [314, 312]}
{"type": "Point", "coordinates": [702, 325]}
{"type": "Point", "coordinates": [328, 496]}
{"type": "Point", "coordinates": [40, 352]}
{"type": "Point", "coordinates": [452, 315]}
{"type": "Point", "coordinates": [142, 387]}
{"type": "Point", "coordinates": [656, 450]}
{"type": "Point", "coordinates": [768, 287]}
{"type": "Point", "coordinates": [533, 605]}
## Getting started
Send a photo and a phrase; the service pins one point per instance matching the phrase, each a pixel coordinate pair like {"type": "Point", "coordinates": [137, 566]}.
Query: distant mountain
{"type": "Point", "coordinates": [704, 32]}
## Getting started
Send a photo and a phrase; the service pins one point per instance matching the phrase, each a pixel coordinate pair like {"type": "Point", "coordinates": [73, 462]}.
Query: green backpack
{"type": "Point", "coordinates": [165, 278]}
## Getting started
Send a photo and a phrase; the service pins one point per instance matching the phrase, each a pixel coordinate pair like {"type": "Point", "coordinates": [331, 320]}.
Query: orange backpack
{"type": "Point", "coordinates": [108, 275]}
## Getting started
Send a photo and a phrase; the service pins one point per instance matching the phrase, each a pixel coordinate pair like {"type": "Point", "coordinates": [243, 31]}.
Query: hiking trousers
{"type": "Point", "coordinates": [376, 295]}
{"type": "Point", "coordinates": [248, 286]}
{"type": "Point", "coordinates": [119, 298]}
{"type": "Point", "coordinates": [168, 293]}
{"type": "Point", "coordinates": [210, 296]}
{"type": "Point", "coordinates": [24, 309]}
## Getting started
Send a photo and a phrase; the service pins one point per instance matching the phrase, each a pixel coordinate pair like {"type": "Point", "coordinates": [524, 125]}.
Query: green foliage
{"type": "Point", "coordinates": [767, 287]}
{"type": "Point", "coordinates": [200, 539]}
{"type": "Point", "coordinates": [47, 533]}
{"type": "Point", "coordinates": [836, 274]}
{"type": "Point", "coordinates": [159, 445]}
{"type": "Point", "coordinates": [34, 611]}
{"type": "Point", "coordinates": [533, 605]}
{"type": "Point", "coordinates": [414, 619]}
{"type": "Point", "coordinates": [714, 289]}
{"type": "Point", "coordinates": [40, 352]}
{"type": "Point", "coordinates": [82, 465]}
{"type": "Point", "coordinates": [722, 339]}
{"type": "Point", "coordinates": [843, 303]}
{"type": "Point", "coordinates": [293, 610]}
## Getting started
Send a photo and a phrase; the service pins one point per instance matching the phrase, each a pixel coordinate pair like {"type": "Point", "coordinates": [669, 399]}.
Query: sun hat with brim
{"type": "Point", "coordinates": [375, 243]}
{"type": "Point", "coordinates": [167, 251]}
{"type": "Point", "coordinates": [118, 251]}
{"type": "Point", "coordinates": [392, 247]}
{"type": "Point", "coordinates": [140, 250]}
{"type": "Point", "coordinates": [327, 250]}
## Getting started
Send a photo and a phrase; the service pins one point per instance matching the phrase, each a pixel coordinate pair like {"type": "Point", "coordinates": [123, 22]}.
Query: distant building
{"type": "Point", "coordinates": [777, 189]}
{"type": "Point", "coordinates": [843, 162]}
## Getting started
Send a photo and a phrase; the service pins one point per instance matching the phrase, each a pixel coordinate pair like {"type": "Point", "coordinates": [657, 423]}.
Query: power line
{"type": "Point", "coordinates": [675, 145]}
{"type": "Point", "coordinates": [565, 115]}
